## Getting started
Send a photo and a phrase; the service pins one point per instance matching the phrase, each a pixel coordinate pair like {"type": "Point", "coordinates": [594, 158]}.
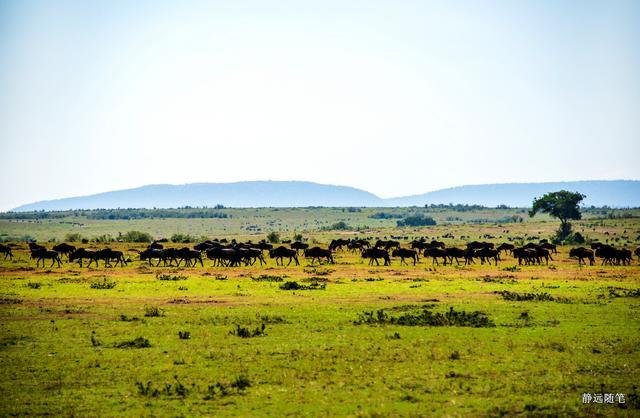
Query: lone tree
{"type": "Point", "coordinates": [562, 205]}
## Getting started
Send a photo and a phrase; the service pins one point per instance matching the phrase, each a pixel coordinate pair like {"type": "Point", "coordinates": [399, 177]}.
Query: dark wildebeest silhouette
{"type": "Point", "coordinates": [435, 253]}
{"type": "Point", "coordinates": [44, 254]}
{"type": "Point", "coordinates": [80, 254]}
{"type": "Point", "coordinates": [406, 253]}
{"type": "Point", "coordinates": [506, 247]}
{"type": "Point", "coordinates": [317, 253]}
{"type": "Point", "coordinates": [251, 255]}
{"type": "Point", "coordinates": [283, 252]}
{"type": "Point", "coordinates": [153, 253]}
{"type": "Point", "coordinates": [637, 253]}
{"type": "Point", "coordinates": [373, 254]}
{"type": "Point", "coordinates": [6, 250]}
{"type": "Point", "coordinates": [550, 247]}
{"type": "Point", "coordinates": [581, 253]}
{"type": "Point", "coordinates": [227, 257]}
{"type": "Point", "coordinates": [486, 254]}
{"type": "Point", "coordinates": [155, 245]}
{"type": "Point", "coordinates": [64, 249]}
{"type": "Point", "coordinates": [189, 256]}
{"type": "Point", "coordinates": [528, 255]}
{"type": "Point", "coordinates": [106, 255]}
{"type": "Point", "coordinates": [263, 246]}
{"type": "Point", "coordinates": [33, 246]}
{"type": "Point", "coordinates": [299, 246]}
{"type": "Point", "coordinates": [206, 245]}
{"type": "Point", "coordinates": [453, 252]}
{"type": "Point", "coordinates": [476, 245]}
{"type": "Point", "coordinates": [338, 243]}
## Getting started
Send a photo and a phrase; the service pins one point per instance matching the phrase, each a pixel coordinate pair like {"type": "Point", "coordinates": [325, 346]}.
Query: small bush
{"type": "Point", "coordinates": [298, 286]}
{"type": "Point", "coordinates": [266, 278]}
{"type": "Point", "coordinates": [244, 332]}
{"type": "Point", "coordinates": [175, 277]}
{"type": "Point", "coordinates": [523, 297]}
{"type": "Point", "coordinates": [416, 220]}
{"type": "Point", "coordinates": [184, 335]}
{"type": "Point", "coordinates": [273, 237]}
{"type": "Point", "coordinates": [104, 284]}
{"type": "Point", "coordinates": [73, 237]}
{"type": "Point", "coordinates": [153, 311]}
{"type": "Point", "coordinates": [474, 319]}
{"type": "Point", "coordinates": [137, 236]}
{"type": "Point", "coordinates": [139, 342]}
{"type": "Point", "coordinates": [182, 238]}
{"type": "Point", "coordinates": [34, 285]}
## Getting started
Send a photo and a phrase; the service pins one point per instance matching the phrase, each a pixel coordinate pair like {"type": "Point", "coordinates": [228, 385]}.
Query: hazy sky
{"type": "Point", "coordinates": [396, 97]}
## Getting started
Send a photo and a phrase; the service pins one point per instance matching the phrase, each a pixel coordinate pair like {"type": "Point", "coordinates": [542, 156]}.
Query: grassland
{"type": "Point", "coordinates": [71, 345]}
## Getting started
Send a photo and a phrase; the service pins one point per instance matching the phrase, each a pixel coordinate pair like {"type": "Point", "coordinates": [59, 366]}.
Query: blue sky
{"type": "Point", "coordinates": [395, 97]}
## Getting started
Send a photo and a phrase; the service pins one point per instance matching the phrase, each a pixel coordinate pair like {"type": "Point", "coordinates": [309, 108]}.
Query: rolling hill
{"type": "Point", "coordinates": [614, 193]}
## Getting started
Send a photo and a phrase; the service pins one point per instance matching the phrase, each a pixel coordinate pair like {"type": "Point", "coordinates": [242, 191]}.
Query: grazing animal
{"type": "Point", "coordinates": [550, 247]}
{"type": "Point", "coordinates": [64, 249]}
{"type": "Point", "coordinates": [373, 254]}
{"type": "Point", "coordinates": [80, 254]}
{"type": "Point", "coordinates": [406, 253]}
{"type": "Point", "coordinates": [299, 246]}
{"type": "Point", "coordinates": [317, 253]}
{"type": "Point", "coordinates": [337, 244]}
{"type": "Point", "coordinates": [155, 245]}
{"type": "Point", "coordinates": [456, 253]}
{"type": "Point", "coordinates": [44, 254]}
{"type": "Point", "coordinates": [506, 247]}
{"type": "Point", "coordinates": [435, 253]}
{"type": "Point", "coordinates": [581, 253]}
{"type": "Point", "coordinates": [189, 256]}
{"type": "Point", "coordinates": [486, 254]}
{"type": "Point", "coordinates": [227, 257]}
{"type": "Point", "coordinates": [6, 250]}
{"type": "Point", "coordinates": [283, 252]}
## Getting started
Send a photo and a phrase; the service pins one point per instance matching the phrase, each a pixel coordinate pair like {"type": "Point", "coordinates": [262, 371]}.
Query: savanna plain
{"type": "Point", "coordinates": [319, 339]}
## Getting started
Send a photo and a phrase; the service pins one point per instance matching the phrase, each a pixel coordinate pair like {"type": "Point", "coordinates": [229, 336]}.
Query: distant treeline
{"type": "Point", "coordinates": [126, 214]}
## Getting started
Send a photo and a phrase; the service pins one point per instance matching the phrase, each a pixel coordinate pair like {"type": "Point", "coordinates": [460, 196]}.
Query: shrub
{"type": "Point", "coordinates": [137, 236]}
{"type": "Point", "coordinates": [104, 284]}
{"type": "Point", "coordinates": [73, 237]}
{"type": "Point", "coordinates": [182, 238]}
{"type": "Point", "coordinates": [426, 318]}
{"type": "Point", "coordinates": [273, 237]}
{"type": "Point", "coordinates": [244, 332]}
{"type": "Point", "coordinates": [417, 220]}
{"type": "Point", "coordinates": [139, 342]}
{"type": "Point", "coordinates": [153, 311]}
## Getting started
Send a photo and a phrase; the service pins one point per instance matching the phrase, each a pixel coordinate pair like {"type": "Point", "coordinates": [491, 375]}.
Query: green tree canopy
{"type": "Point", "coordinates": [562, 205]}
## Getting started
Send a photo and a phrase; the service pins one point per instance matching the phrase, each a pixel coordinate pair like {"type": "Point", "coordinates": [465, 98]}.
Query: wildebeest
{"type": "Point", "coordinates": [44, 254]}
{"type": "Point", "coordinates": [435, 253]}
{"type": "Point", "coordinates": [406, 253]}
{"type": "Point", "coordinates": [228, 257]}
{"type": "Point", "coordinates": [453, 252]}
{"type": "Point", "coordinates": [373, 254]}
{"type": "Point", "coordinates": [581, 253]}
{"type": "Point", "coordinates": [476, 245]}
{"type": "Point", "coordinates": [506, 247]}
{"type": "Point", "coordinates": [6, 250]}
{"type": "Point", "coordinates": [486, 254]}
{"type": "Point", "coordinates": [33, 246]}
{"type": "Point", "coordinates": [299, 246]}
{"type": "Point", "coordinates": [80, 254]}
{"type": "Point", "coordinates": [152, 253]}
{"type": "Point", "coordinates": [106, 255]}
{"type": "Point", "coordinates": [64, 249]}
{"type": "Point", "coordinates": [387, 245]}
{"type": "Point", "coordinates": [189, 256]}
{"type": "Point", "coordinates": [613, 256]}
{"type": "Point", "coordinates": [550, 247]}
{"type": "Point", "coordinates": [338, 243]}
{"type": "Point", "coordinates": [637, 253]}
{"type": "Point", "coordinates": [155, 245]}
{"type": "Point", "coordinates": [317, 253]}
{"type": "Point", "coordinates": [283, 252]}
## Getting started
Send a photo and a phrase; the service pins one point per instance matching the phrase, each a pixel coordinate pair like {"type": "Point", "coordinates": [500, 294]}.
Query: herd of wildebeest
{"type": "Point", "coordinates": [234, 254]}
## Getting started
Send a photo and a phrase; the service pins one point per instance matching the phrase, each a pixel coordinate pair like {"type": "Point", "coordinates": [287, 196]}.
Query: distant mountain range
{"type": "Point", "coordinates": [614, 193]}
